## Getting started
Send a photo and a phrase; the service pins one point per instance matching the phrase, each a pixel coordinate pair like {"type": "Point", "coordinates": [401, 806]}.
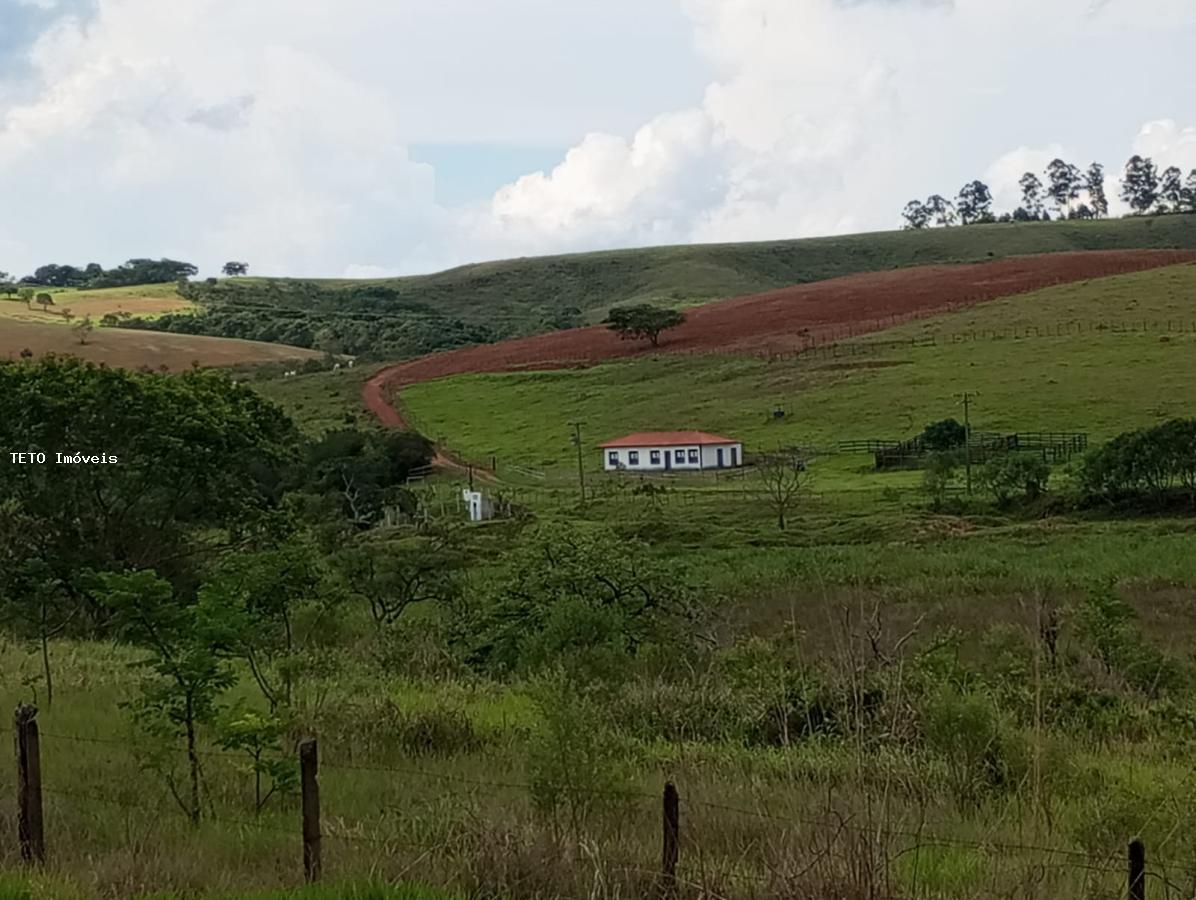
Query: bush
{"type": "Point", "coordinates": [945, 435]}
{"type": "Point", "coordinates": [1012, 474]}
{"type": "Point", "coordinates": [939, 476]}
{"type": "Point", "coordinates": [1144, 464]}
{"type": "Point", "coordinates": [1108, 627]}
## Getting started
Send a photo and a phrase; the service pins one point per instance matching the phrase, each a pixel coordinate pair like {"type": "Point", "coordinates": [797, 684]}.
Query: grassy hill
{"type": "Point", "coordinates": [519, 294]}
{"type": "Point", "coordinates": [1102, 380]}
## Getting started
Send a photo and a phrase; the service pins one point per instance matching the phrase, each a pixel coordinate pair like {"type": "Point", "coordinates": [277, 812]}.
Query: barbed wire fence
{"type": "Point", "coordinates": [685, 861]}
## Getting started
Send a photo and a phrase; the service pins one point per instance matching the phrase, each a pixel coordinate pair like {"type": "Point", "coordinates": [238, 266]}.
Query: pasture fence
{"type": "Point", "coordinates": [684, 860]}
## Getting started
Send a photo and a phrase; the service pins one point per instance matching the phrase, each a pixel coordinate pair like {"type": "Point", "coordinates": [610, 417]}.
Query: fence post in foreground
{"type": "Point", "coordinates": [30, 833]}
{"type": "Point", "coordinates": [671, 847]}
{"type": "Point", "coordinates": [308, 769]}
{"type": "Point", "coordinates": [1137, 883]}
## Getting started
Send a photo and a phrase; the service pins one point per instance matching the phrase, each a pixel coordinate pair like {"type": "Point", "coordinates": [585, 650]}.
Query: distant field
{"type": "Point", "coordinates": [1102, 382]}
{"type": "Point", "coordinates": [518, 293]}
{"type": "Point", "coordinates": [140, 300]}
{"type": "Point", "coordinates": [126, 348]}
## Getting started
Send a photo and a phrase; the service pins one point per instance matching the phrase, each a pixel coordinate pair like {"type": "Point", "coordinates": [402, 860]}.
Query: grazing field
{"type": "Point", "coordinates": [123, 348]}
{"type": "Point", "coordinates": [520, 294]}
{"type": "Point", "coordinates": [145, 300]}
{"type": "Point", "coordinates": [777, 322]}
{"type": "Point", "coordinates": [1102, 380]}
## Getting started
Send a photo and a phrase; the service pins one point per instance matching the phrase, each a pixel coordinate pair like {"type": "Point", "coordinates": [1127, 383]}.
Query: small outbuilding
{"type": "Point", "coordinates": [667, 451]}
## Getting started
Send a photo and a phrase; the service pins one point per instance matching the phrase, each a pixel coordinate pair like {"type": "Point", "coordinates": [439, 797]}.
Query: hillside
{"type": "Point", "coordinates": [1124, 361]}
{"type": "Point", "coordinates": [519, 293]}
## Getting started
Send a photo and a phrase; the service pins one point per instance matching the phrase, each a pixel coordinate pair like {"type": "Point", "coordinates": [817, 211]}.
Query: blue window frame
{"type": "Point", "coordinates": [613, 457]}
{"type": "Point", "coordinates": [679, 456]}
{"type": "Point", "coordinates": [693, 456]}
{"type": "Point", "coordinates": [655, 457]}
{"type": "Point", "coordinates": [633, 458]}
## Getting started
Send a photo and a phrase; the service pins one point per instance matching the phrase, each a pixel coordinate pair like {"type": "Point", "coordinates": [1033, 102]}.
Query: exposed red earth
{"type": "Point", "coordinates": [777, 321]}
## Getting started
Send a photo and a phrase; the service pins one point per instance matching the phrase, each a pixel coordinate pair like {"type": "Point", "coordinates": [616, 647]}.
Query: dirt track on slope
{"type": "Point", "coordinates": [777, 321]}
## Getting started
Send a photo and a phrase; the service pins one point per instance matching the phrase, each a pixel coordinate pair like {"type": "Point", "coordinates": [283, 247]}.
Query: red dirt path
{"type": "Point", "coordinates": [778, 321]}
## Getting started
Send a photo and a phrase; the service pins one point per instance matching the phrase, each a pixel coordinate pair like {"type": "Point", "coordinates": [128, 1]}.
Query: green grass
{"type": "Point", "coordinates": [320, 401]}
{"type": "Point", "coordinates": [1101, 382]}
{"type": "Point", "coordinates": [43, 888]}
{"type": "Point", "coordinates": [523, 290]}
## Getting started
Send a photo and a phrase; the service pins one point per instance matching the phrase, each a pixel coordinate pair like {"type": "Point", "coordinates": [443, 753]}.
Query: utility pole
{"type": "Point", "coordinates": [967, 396]}
{"type": "Point", "coordinates": [581, 470]}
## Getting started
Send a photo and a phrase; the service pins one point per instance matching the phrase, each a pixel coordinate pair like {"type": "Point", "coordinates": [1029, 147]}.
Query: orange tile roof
{"type": "Point", "coordinates": [668, 439]}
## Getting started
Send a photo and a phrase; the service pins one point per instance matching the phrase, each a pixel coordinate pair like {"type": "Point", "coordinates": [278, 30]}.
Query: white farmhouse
{"type": "Point", "coordinates": [667, 451]}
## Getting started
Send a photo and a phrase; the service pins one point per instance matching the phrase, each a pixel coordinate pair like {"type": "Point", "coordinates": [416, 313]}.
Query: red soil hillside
{"type": "Point", "coordinates": [778, 321]}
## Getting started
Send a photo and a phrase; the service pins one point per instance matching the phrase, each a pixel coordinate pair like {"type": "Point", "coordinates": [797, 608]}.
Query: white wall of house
{"type": "Point", "coordinates": [680, 459]}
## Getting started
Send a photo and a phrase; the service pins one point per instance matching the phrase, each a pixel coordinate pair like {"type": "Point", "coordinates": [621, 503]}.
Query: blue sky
{"type": "Point", "coordinates": [333, 137]}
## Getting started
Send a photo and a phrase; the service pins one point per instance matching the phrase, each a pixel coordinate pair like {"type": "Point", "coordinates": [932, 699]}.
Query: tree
{"type": "Point", "coordinates": [1171, 190]}
{"type": "Point", "coordinates": [949, 434]}
{"type": "Point", "coordinates": [194, 463]}
{"type": "Point", "coordinates": [7, 285]}
{"type": "Point", "coordinates": [83, 329]}
{"type": "Point", "coordinates": [59, 276]}
{"type": "Point", "coordinates": [45, 301]}
{"type": "Point", "coordinates": [395, 576]}
{"type": "Point", "coordinates": [942, 211]}
{"type": "Point", "coordinates": [1189, 194]}
{"type": "Point", "coordinates": [26, 295]}
{"type": "Point", "coordinates": [187, 676]}
{"type": "Point", "coordinates": [366, 471]}
{"type": "Point", "coordinates": [642, 321]}
{"type": "Point", "coordinates": [785, 482]}
{"type": "Point", "coordinates": [261, 738]}
{"type": "Point", "coordinates": [975, 203]}
{"type": "Point", "coordinates": [1031, 196]}
{"type": "Point", "coordinates": [1010, 474]}
{"type": "Point", "coordinates": [34, 607]}
{"type": "Point", "coordinates": [235, 268]}
{"type": "Point", "coordinates": [580, 599]}
{"type": "Point", "coordinates": [1064, 182]}
{"type": "Point", "coordinates": [1094, 183]}
{"type": "Point", "coordinates": [267, 608]}
{"type": "Point", "coordinates": [939, 475]}
{"type": "Point", "coordinates": [1140, 184]}
{"type": "Point", "coordinates": [916, 215]}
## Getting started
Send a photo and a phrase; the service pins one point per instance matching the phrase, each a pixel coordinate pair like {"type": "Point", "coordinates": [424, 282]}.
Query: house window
{"type": "Point", "coordinates": [693, 457]}
{"type": "Point", "coordinates": [613, 457]}
{"type": "Point", "coordinates": [679, 456]}
{"type": "Point", "coordinates": [655, 457]}
{"type": "Point", "coordinates": [633, 457]}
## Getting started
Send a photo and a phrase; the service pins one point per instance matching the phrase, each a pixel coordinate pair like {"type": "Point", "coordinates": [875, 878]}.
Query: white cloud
{"type": "Point", "coordinates": [276, 131]}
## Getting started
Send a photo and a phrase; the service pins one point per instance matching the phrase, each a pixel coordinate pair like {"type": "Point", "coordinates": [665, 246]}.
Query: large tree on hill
{"type": "Point", "coordinates": [916, 215]}
{"type": "Point", "coordinates": [1094, 183]}
{"type": "Point", "coordinates": [975, 203]}
{"type": "Point", "coordinates": [1171, 190]}
{"type": "Point", "coordinates": [942, 210]}
{"type": "Point", "coordinates": [642, 321]}
{"type": "Point", "coordinates": [1063, 184]}
{"type": "Point", "coordinates": [235, 268]}
{"type": "Point", "coordinates": [1140, 184]}
{"type": "Point", "coordinates": [1031, 207]}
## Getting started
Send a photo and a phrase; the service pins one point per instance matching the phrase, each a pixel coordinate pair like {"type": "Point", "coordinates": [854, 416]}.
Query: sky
{"type": "Point", "coordinates": [379, 137]}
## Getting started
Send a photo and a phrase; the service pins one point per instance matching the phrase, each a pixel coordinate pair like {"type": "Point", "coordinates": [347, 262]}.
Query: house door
{"type": "Point", "coordinates": [720, 457]}
{"type": "Point", "coordinates": [734, 457]}
{"type": "Point", "coordinates": [668, 459]}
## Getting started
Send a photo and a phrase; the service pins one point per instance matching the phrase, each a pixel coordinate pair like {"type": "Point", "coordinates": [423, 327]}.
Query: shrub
{"type": "Point", "coordinates": [948, 434]}
{"type": "Point", "coordinates": [1009, 475]}
{"type": "Point", "coordinates": [939, 476]}
{"type": "Point", "coordinates": [1108, 627]}
{"type": "Point", "coordinates": [1147, 463]}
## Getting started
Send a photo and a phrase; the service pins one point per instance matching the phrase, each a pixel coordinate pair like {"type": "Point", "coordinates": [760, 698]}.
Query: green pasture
{"type": "Point", "coordinates": [1100, 381]}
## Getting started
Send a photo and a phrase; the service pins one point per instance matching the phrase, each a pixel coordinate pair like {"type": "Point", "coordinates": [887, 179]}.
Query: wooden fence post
{"type": "Point", "coordinates": [309, 764]}
{"type": "Point", "coordinates": [1137, 882]}
{"type": "Point", "coordinates": [30, 830]}
{"type": "Point", "coordinates": [671, 846]}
